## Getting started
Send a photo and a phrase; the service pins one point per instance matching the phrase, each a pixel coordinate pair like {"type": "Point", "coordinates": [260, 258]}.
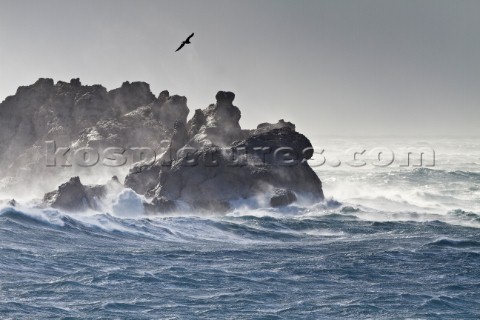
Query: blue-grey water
{"type": "Point", "coordinates": [391, 243]}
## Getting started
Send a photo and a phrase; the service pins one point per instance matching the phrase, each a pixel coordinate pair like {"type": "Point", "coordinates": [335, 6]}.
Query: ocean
{"type": "Point", "coordinates": [391, 241]}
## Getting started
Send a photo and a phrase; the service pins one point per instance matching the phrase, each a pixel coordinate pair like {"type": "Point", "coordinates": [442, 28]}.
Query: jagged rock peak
{"type": "Point", "coordinates": [44, 81]}
{"type": "Point", "coordinates": [218, 124]}
{"type": "Point", "coordinates": [179, 137]}
{"type": "Point", "coordinates": [198, 120]}
{"type": "Point", "coordinates": [178, 100]}
{"type": "Point", "coordinates": [173, 108]}
{"type": "Point", "coordinates": [135, 89]}
{"type": "Point", "coordinates": [280, 124]}
{"type": "Point", "coordinates": [75, 196]}
{"type": "Point", "coordinates": [69, 196]}
{"type": "Point", "coordinates": [164, 95]}
{"type": "Point", "coordinates": [225, 97]}
{"type": "Point", "coordinates": [75, 82]}
{"type": "Point", "coordinates": [40, 84]}
{"type": "Point", "coordinates": [132, 95]}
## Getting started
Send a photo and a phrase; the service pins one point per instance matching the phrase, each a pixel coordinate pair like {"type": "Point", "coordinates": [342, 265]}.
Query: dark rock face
{"type": "Point", "coordinates": [205, 164]}
{"type": "Point", "coordinates": [215, 178]}
{"type": "Point", "coordinates": [74, 196]}
{"type": "Point", "coordinates": [198, 120]}
{"type": "Point", "coordinates": [71, 196]}
{"type": "Point", "coordinates": [218, 124]}
{"type": "Point", "coordinates": [172, 110]}
{"type": "Point", "coordinates": [282, 198]}
{"type": "Point", "coordinates": [225, 98]}
{"type": "Point", "coordinates": [263, 127]}
{"type": "Point", "coordinates": [162, 97]}
{"type": "Point", "coordinates": [75, 115]}
{"type": "Point", "coordinates": [275, 140]}
{"type": "Point", "coordinates": [131, 96]}
{"type": "Point", "coordinates": [179, 138]}
{"type": "Point", "coordinates": [213, 168]}
{"type": "Point", "coordinates": [143, 178]}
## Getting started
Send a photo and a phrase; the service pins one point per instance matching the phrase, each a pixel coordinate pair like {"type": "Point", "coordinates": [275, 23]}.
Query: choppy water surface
{"type": "Point", "coordinates": [398, 242]}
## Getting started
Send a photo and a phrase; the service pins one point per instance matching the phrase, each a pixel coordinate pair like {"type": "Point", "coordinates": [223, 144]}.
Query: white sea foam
{"type": "Point", "coordinates": [448, 192]}
{"type": "Point", "coordinates": [128, 204]}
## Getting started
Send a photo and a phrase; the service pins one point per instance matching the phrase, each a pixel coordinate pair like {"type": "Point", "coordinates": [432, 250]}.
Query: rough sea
{"type": "Point", "coordinates": [391, 242]}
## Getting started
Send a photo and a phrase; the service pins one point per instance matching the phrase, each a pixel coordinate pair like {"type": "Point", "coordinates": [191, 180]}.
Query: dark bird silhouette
{"type": "Point", "coordinates": [187, 41]}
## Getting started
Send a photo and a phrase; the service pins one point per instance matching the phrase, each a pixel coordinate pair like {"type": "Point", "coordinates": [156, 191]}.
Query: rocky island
{"type": "Point", "coordinates": [208, 163]}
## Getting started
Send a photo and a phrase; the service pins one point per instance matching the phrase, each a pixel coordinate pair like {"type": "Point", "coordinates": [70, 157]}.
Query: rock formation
{"type": "Point", "coordinates": [207, 163]}
{"type": "Point", "coordinates": [282, 198]}
{"type": "Point", "coordinates": [221, 163]}
{"type": "Point", "coordinates": [75, 115]}
{"type": "Point", "coordinates": [74, 196]}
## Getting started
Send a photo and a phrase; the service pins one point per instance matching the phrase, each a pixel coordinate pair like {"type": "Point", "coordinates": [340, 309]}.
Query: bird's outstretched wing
{"type": "Point", "coordinates": [181, 46]}
{"type": "Point", "coordinates": [188, 39]}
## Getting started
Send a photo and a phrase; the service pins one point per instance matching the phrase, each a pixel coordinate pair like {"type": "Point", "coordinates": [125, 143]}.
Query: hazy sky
{"type": "Point", "coordinates": [354, 67]}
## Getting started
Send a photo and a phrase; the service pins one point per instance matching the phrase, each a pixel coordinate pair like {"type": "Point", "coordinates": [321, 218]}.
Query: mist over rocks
{"type": "Point", "coordinates": [263, 127]}
{"type": "Point", "coordinates": [70, 196]}
{"type": "Point", "coordinates": [211, 173]}
{"type": "Point", "coordinates": [218, 124]}
{"type": "Point", "coordinates": [76, 115]}
{"type": "Point", "coordinates": [131, 96]}
{"type": "Point", "coordinates": [215, 180]}
{"type": "Point", "coordinates": [204, 164]}
{"type": "Point", "coordinates": [173, 109]}
{"type": "Point", "coordinates": [282, 197]}
{"type": "Point", "coordinates": [73, 196]}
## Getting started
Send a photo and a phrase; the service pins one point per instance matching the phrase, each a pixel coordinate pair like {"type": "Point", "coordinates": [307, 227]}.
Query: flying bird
{"type": "Point", "coordinates": [187, 41]}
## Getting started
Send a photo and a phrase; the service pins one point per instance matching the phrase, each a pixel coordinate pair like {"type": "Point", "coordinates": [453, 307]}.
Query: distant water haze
{"type": "Point", "coordinates": [350, 68]}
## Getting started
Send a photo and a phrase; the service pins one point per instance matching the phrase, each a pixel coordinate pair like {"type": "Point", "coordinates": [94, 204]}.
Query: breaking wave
{"type": "Point", "coordinates": [392, 243]}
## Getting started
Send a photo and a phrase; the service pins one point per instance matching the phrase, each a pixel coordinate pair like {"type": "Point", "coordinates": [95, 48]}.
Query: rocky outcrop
{"type": "Point", "coordinates": [76, 115]}
{"type": "Point", "coordinates": [74, 196]}
{"type": "Point", "coordinates": [207, 163]}
{"type": "Point", "coordinates": [220, 164]}
{"type": "Point", "coordinates": [263, 127]}
{"type": "Point", "coordinates": [282, 197]}
{"type": "Point", "coordinates": [211, 177]}
{"type": "Point", "coordinates": [71, 196]}
{"type": "Point", "coordinates": [172, 110]}
{"type": "Point", "coordinates": [131, 96]}
{"type": "Point", "coordinates": [218, 124]}
{"type": "Point", "coordinates": [196, 123]}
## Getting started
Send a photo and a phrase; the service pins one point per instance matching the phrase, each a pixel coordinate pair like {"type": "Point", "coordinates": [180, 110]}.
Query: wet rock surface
{"type": "Point", "coordinates": [73, 196]}
{"type": "Point", "coordinates": [222, 163]}
{"type": "Point", "coordinates": [282, 198]}
{"type": "Point", "coordinates": [203, 164]}
{"type": "Point", "coordinates": [74, 116]}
